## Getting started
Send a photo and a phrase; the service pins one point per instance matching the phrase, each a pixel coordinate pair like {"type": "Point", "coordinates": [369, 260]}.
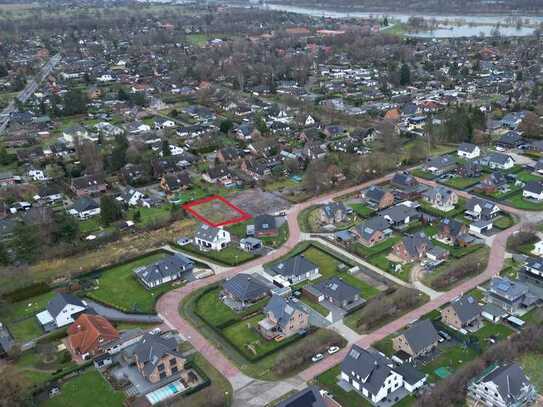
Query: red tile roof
{"type": "Point", "coordinates": [88, 332]}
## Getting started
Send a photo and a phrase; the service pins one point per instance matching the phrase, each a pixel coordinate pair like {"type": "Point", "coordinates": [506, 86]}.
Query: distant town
{"type": "Point", "coordinates": [229, 205]}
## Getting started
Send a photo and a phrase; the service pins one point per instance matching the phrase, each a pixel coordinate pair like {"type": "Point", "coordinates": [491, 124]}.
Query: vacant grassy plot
{"type": "Point", "coordinates": [119, 287]}
{"type": "Point", "coordinates": [229, 256]}
{"type": "Point", "coordinates": [20, 317]}
{"type": "Point", "coordinates": [37, 368]}
{"type": "Point", "coordinates": [461, 182]}
{"type": "Point", "coordinates": [149, 216]}
{"type": "Point", "coordinates": [328, 269]}
{"type": "Point", "coordinates": [87, 390]}
{"type": "Point", "coordinates": [216, 211]}
{"type": "Point", "coordinates": [245, 337]}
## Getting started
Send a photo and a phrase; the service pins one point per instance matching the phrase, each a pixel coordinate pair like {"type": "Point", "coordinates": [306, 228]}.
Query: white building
{"type": "Point", "coordinates": [61, 311]}
{"type": "Point", "coordinates": [211, 238]}
{"type": "Point", "coordinates": [468, 150]}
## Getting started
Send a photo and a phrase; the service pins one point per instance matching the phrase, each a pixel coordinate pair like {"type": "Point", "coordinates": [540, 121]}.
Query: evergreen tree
{"type": "Point", "coordinates": [66, 228]}
{"type": "Point", "coordinates": [405, 75]}
{"type": "Point", "coordinates": [110, 211]}
{"type": "Point", "coordinates": [26, 242]}
{"type": "Point", "coordinates": [226, 126]}
{"type": "Point", "coordinates": [166, 151]}
{"type": "Point", "coordinates": [4, 255]}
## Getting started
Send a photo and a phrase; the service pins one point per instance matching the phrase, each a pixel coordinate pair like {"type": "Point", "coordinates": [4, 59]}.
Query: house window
{"type": "Point", "coordinates": [161, 367]}
{"type": "Point", "coordinates": [173, 361]}
{"type": "Point", "coordinates": [174, 369]}
{"type": "Point", "coordinates": [163, 375]}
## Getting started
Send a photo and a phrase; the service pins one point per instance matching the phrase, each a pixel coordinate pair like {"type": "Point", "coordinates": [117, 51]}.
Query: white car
{"type": "Point", "coordinates": [332, 350]}
{"type": "Point", "coordinates": [317, 357]}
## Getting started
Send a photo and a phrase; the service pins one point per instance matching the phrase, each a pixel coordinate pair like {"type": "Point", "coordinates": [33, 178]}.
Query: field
{"type": "Point", "coordinates": [87, 390]}
{"type": "Point", "coordinates": [37, 368]}
{"type": "Point", "coordinates": [531, 364]}
{"type": "Point", "coordinates": [216, 211]}
{"type": "Point", "coordinates": [119, 287]}
{"type": "Point", "coordinates": [462, 183]}
{"type": "Point", "coordinates": [230, 256]}
{"type": "Point", "coordinates": [517, 201]}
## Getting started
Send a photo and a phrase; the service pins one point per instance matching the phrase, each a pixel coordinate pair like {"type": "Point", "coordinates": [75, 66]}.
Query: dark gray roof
{"type": "Point", "coordinates": [498, 158]}
{"type": "Point", "coordinates": [421, 335]}
{"type": "Point", "coordinates": [281, 309]}
{"type": "Point", "coordinates": [170, 266]}
{"type": "Point", "coordinates": [510, 381]}
{"type": "Point", "coordinates": [309, 397]}
{"type": "Point", "coordinates": [467, 147]}
{"type": "Point", "coordinates": [207, 232]}
{"type": "Point", "coordinates": [152, 348]}
{"type": "Point", "coordinates": [245, 287]}
{"type": "Point", "coordinates": [409, 373]}
{"type": "Point", "coordinates": [85, 204]}
{"type": "Point", "coordinates": [455, 227]}
{"type": "Point", "coordinates": [368, 366]}
{"type": "Point", "coordinates": [332, 208]}
{"type": "Point", "coordinates": [399, 213]}
{"type": "Point", "coordinates": [466, 308]}
{"type": "Point", "coordinates": [337, 289]}
{"type": "Point", "coordinates": [374, 193]}
{"type": "Point", "coordinates": [442, 161]}
{"type": "Point", "coordinates": [264, 223]}
{"type": "Point", "coordinates": [415, 243]}
{"type": "Point", "coordinates": [59, 301]}
{"type": "Point", "coordinates": [293, 266]}
{"type": "Point", "coordinates": [404, 180]}
{"type": "Point", "coordinates": [535, 187]}
{"type": "Point", "coordinates": [368, 228]}
{"type": "Point", "coordinates": [486, 206]}
{"type": "Point", "coordinates": [506, 288]}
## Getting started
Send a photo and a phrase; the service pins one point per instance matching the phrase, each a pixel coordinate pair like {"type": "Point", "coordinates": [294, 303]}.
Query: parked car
{"type": "Point", "coordinates": [184, 241]}
{"type": "Point", "coordinates": [444, 335]}
{"type": "Point", "coordinates": [333, 349]}
{"type": "Point", "coordinates": [317, 357]}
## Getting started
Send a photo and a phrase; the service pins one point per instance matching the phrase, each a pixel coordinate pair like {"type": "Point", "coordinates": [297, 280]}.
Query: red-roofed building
{"type": "Point", "coordinates": [89, 334]}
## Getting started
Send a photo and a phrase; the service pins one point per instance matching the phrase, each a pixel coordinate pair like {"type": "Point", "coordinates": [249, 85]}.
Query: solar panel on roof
{"type": "Point", "coordinates": [503, 286]}
{"type": "Point", "coordinates": [354, 354]}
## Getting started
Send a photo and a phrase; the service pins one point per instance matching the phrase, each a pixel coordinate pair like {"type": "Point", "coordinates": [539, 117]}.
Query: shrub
{"type": "Point", "coordinates": [522, 238]}
{"type": "Point", "coordinates": [458, 270]}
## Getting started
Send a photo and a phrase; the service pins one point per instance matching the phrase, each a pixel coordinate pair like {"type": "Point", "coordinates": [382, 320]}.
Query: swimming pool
{"type": "Point", "coordinates": [165, 392]}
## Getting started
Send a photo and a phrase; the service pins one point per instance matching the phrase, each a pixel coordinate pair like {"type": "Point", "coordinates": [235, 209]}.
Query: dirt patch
{"type": "Point", "coordinates": [258, 202]}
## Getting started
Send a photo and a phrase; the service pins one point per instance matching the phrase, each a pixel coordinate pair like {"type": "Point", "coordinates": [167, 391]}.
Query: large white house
{"type": "Point", "coordinates": [533, 190]}
{"type": "Point", "coordinates": [468, 150]}
{"type": "Point", "coordinates": [374, 376]}
{"type": "Point", "coordinates": [211, 238]}
{"type": "Point", "coordinates": [61, 310]}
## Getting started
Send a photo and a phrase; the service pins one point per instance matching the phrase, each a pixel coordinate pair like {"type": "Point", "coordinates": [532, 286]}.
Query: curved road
{"type": "Point", "coordinates": [168, 304]}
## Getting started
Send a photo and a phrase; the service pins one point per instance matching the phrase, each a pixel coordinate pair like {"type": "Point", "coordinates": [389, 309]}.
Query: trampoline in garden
{"type": "Point", "coordinates": [442, 372]}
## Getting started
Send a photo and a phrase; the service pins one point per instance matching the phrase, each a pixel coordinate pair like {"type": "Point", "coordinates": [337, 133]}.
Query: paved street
{"type": "Point", "coordinates": [168, 304]}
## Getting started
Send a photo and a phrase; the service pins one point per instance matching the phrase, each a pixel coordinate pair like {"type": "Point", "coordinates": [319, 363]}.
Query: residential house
{"type": "Point", "coordinates": [413, 247]}
{"type": "Point", "coordinates": [372, 231]}
{"type": "Point", "coordinates": [532, 271]}
{"type": "Point", "coordinates": [400, 215]}
{"type": "Point", "coordinates": [462, 313]}
{"type": "Point", "coordinates": [469, 169]}
{"type": "Point", "coordinates": [229, 154]}
{"type": "Point", "coordinates": [283, 319]}
{"type": "Point", "coordinates": [501, 386]}
{"type": "Point", "coordinates": [378, 198]}
{"type": "Point", "coordinates": [164, 271]}
{"type": "Point", "coordinates": [211, 238]}
{"type": "Point", "coordinates": [294, 270]}
{"type": "Point", "coordinates": [406, 185]}
{"type": "Point", "coordinates": [511, 296]}
{"type": "Point", "coordinates": [468, 150]}
{"type": "Point", "coordinates": [265, 225]}
{"type": "Point", "coordinates": [440, 165]}
{"type": "Point", "coordinates": [219, 175]}
{"type": "Point", "coordinates": [173, 182]}
{"type": "Point", "coordinates": [370, 373]}
{"type": "Point", "coordinates": [498, 161]}
{"type": "Point", "coordinates": [163, 123]}
{"type": "Point", "coordinates": [539, 166]}
{"type": "Point", "coordinates": [49, 193]}
{"type": "Point", "coordinates": [510, 140]}
{"type": "Point", "coordinates": [417, 340]}
{"type": "Point", "coordinates": [61, 310]}
{"type": "Point", "coordinates": [337, 292]}
{"type": "Point", "coordinates": [481, 209]}
{"type": "Point", "coordinates": [452, 232]}
{"type": "Point", "coordinates": [533, 190]}
{"type": "Point", "coordinates": [90, 335]}
{"type": "Point", "coordinates": [250, 244]}
{"type": "Point", "coordinates": [88, 185]}
{"type": "Point", "coordinates": [333, 213]}
{"type": "Point", "coordinates": [84, 208]}
{"type": "Point", "coordinates": [70, 134]}
{"type": "Point", "coordinates": [244, 289]}
{"type": "Point", "coordinates": [157, 358]}
{"type": "Point", "coordinates": [441, 198]}
{"type": "Point", "coordinates": [247, 132]}
{"type": "Point", "coordinates": [494, 182]}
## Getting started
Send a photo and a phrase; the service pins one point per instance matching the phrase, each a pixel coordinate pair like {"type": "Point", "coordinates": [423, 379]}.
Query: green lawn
{"type": "Point", "coordinates": [365, 252]}
{"type": "Point", "coordinates": [87, 390]}
{"type": "Point", "coordinates": [381, 261]}
{"type": "Point", "coordinates": [499, 331]}
{"type": "Point", "coordinates": [362, 210]}
{"type": "Point", "coordinates": [428, 208]}
{"type": "Point", "coordinates": [230, 256]}
{"type": "Point", "coordinates": [279, 240]}
{"type": "Point", "coordinates": [37, 368]}
{"type": "Point", "coordinates": [452, 359]}
{"type": "Point", "coordinates": [385, 345]}
{"type": "Point", "coordinates": [461, 182]}
{"type": "Point", "coordinates": [504, 222]}
{"type": "Point", "coordinates": [527, 176]}
{"type": "Point", "coordinates": [244, 336]}
{"type": "Point", "coordinates": [531, 364]}
{"type": "Point", "coordinates": [90, 225]}
{"type": "Point", "coordinates": [211, 309]}
{"type": "Point", "coordinates": [328, 269]}
{"type": "Point", "coordinates": [151, 215]}
{"type": "Point", "coordinates": [280, 184]}
{"type": "Point", "coordinates": [321, 309]}
{"type": "Point", "coordinates": [119, 287]}
{"type": "Point", "coordinates": [421, 173]}
{"type": "Point", "coordinates": [20, 317]}
{"type": "Point", "coordinates": [517, 201]}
